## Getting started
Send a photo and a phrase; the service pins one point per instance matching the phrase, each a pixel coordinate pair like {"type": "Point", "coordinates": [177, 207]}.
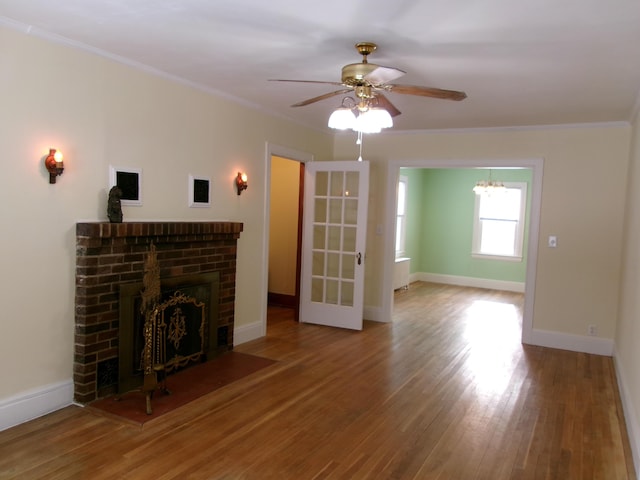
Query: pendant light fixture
{"type": "Point", "coordinates": [489, 187]}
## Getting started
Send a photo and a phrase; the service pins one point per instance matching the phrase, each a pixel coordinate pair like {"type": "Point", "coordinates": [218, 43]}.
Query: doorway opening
{"type": "Point", "coordinates": [284, 187]}
{"type": "Point", "coordinates": [285, 233]}
{"type": "Point", "coordinates": [533, 165]}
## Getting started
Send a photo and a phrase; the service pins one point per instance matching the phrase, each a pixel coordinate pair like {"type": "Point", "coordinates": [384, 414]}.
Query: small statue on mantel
{"type": "Point", "coordinates": [114, 207]}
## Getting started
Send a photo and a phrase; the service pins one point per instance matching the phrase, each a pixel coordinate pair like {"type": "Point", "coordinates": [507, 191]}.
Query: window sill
{"type": "Point", "coordinates": [497, 257]}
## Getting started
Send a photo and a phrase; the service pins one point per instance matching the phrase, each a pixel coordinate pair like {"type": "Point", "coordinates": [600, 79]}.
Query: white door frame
{"type": "Point", "coordinates": [535, 164]}
{"type": "Point", "coordinates": [291, 154]}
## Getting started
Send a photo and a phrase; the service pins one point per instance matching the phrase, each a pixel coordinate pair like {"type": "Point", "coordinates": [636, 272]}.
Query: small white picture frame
{"type": "Point", "coordinates": [199, 191]}
{"type": "Point", "coordinates": [129, 180]}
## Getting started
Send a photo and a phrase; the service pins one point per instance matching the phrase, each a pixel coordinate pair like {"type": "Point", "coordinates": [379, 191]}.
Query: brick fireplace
{"type": "Point", "coordinates": [109, 255]}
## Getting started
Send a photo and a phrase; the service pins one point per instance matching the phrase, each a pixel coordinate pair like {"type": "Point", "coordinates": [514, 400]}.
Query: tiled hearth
{"type": "Point", "coordinates": [109, 254]}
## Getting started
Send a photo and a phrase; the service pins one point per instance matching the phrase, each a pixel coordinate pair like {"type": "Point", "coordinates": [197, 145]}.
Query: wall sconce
{"type": "Point", "coordinates": [241, 182]}
{"type": "Point", "coordinates": [54, 164]}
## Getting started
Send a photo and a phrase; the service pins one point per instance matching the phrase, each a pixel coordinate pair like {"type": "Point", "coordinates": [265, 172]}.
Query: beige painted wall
{"type": "Point", "coordinates": [583, 192]}
{"type": "Point", "coordinates": [283, 228]}
{"type": "Point", "coordinates": [627, 355]}
{"type": "Point", "coordinates": [98, 113]}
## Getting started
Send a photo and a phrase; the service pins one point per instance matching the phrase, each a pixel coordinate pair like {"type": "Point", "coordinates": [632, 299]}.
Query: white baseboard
{"type": "Point", "coordinates": [468, 281]}
{"type": "Point", "coordinates": [574, 343]}
{"type": "Point", "coordinates": [372, 313]}
{"type": "Point", "coordinates": [35, 403]}
{"type": "Point", "coordinates": [631, 419]}
{"type": "Point", "coordinates": [246, 333]}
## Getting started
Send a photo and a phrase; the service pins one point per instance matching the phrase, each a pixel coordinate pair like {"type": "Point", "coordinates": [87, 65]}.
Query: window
{"type": "Point", "coordinates": [401, 216]}
{"type": "Point", "coordinates": [499, 222]}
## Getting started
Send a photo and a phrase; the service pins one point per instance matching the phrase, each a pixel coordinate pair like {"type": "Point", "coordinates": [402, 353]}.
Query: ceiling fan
{"type": "Point", "coordinates": [368, 81]}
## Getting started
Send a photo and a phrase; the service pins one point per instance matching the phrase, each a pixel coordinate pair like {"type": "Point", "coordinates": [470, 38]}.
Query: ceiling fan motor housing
{"type": "Point", "coordinates": [354, 73]}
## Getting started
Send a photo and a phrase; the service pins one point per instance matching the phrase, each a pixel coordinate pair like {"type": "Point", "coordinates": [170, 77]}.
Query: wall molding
{"type": "Point", "coordinates": [468, 281]}
{"type": "Point", "coordinates": [35, 403]}
{"type": "Point", "coordinates": [574, 343]}
{"type": "Point", "coordinates": [246, 333]}
{"type": "Point", "coordinates": [512, 128]}
{"type": "Point", "coordinates": [373, 313]}
{"type": "Point", "coordinates": [630, 417]}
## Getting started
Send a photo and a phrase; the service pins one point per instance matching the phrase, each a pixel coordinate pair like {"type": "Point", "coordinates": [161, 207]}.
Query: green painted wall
{"type": "Point", "coordinates": [440, 223]}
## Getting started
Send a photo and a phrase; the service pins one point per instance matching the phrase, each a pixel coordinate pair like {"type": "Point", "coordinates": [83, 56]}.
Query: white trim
{"type": "Point", "coordinates": [35, 403]}
{"type": "Point", "coordinates": [373, 313]}
{"type": "Point", "coordinates": [505, 285]}
{"type": "Point", "coordinates": [574, 343]}
{"type": "Point", "coordinates": [631, 419]}
{"type": "Point", "coordinates": [58, 39]}
{"type": "Point", "coordinates": [246, 333]}
{"type": "Point", "coordinates": [66, 42]}
{"type": "Point", "coordinates": [507, 128]}
{"type": "Point", "coordinates": [393, 170]}
{"type": "Point", "coordinates": [502, 258]}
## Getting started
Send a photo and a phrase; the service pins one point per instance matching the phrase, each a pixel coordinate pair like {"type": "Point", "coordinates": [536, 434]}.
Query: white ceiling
{"type": "Point", "coordinates": [543, 62]}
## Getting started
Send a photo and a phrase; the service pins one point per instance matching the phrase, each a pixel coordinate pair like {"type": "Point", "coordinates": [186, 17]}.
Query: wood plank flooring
{"type": "Point", "coordinates": [444, 392]}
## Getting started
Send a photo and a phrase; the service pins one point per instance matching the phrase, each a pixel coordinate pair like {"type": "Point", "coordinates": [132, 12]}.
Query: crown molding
{"type": "Point", "coordinates": [58, 39]}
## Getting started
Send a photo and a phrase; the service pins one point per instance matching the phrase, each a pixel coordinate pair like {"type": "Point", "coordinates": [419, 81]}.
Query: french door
{"type": "Point", "coordinates": [333, 243]}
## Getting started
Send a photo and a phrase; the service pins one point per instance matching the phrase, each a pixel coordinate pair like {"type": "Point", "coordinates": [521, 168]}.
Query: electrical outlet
{"type": "Point", "coordinates": [592, 330]}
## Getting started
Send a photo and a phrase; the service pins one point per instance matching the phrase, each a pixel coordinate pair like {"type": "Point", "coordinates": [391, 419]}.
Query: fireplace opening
{"type": "Point", "coordinates": [188, 310]}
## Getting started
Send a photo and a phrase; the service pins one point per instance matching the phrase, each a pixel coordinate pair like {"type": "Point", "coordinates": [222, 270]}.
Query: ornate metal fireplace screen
{"type": "Point", "coordinates": [165, 329]}
{"type": "Point", "coordinates": [169, 342]}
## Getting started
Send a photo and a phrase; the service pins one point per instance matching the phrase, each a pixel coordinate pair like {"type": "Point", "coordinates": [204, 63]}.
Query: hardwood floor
{"type": "Point", "coordinates": [444, 392]}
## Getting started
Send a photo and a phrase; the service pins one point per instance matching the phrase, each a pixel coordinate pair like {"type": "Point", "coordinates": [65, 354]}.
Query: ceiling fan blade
{"type": "Point", "coordinates": [304, 81]}
{"type": "Point", "coordinates": [383, 102]}
{"type": "Point", "coordinates": [321, 97]}
{"type": "Point", "coordinates": [428, 92]}
{"type": "Point", "coordinates": [383, 75]}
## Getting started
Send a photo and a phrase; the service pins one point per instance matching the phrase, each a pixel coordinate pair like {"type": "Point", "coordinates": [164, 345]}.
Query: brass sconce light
{"type": "Point", "coordinates": [54, 164]}
{"type": "Point", "coordinates": [241, 182]}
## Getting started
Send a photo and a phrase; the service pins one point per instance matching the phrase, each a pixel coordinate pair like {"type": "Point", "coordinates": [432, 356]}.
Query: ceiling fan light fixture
{"type": "Point", "coordinates": [366, 124]}
{"type": "Point", "coordinates": [381, 117]}
{"type": "Point", "coordinates": [342, 118]}
{"type": "Point", "coordinates": [366, 81]}
{"type": "Point", "coordinates": [373, 120]}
